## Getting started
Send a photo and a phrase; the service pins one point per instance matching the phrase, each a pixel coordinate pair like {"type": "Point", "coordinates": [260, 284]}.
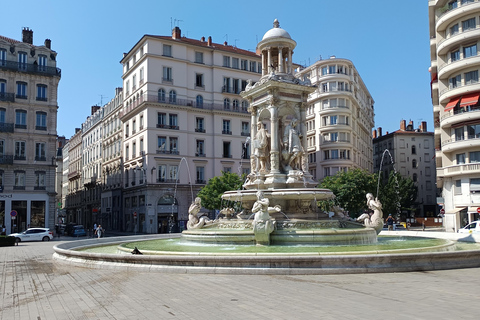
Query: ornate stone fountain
{"type": "Point", "coordinates": [279, 193]}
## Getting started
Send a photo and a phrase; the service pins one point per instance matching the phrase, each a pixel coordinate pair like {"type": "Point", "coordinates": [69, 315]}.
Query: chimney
{"type": "Point", "coordinates": [403, 125]}
{"type": "Point", "coordinates": [379, 131]}
{"type": "Point", "coordinates": [202, 39]}
{"type": "Point", "coordinates": [176, 33]}
{"type": "Point", "coordinates": [27, 35]}
{"type": "Point", "coordinates": [225, 43]}
{"type": "Point", "coordinates": [48, 43]}
{"type": "Point", "coordinates": [77, 130]}
{"type": "Point", "coordinates": [94, 109]}
{"type": "Point", "coordinates": [423, 126]}
{"type": "Point", "coordinates": [374, 133]}
{"type": "Point", "coordinates": [118, 90]}
{"type": "Point", "coordinates": [410, 126]}
{"type": "Point", "coordinates": [209, 42]}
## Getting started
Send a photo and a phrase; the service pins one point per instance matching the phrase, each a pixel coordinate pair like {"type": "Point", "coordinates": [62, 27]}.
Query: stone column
{"type": "Point", "coordinates": [253, 130]}
{"type": "Point", "coordinates": [269, 60]}
{"type": "Point", "coordinates": [280, 60]}
{"type": "Point", "coordinates": [290, 71]}
{"type": "Point", "coordinates": [264, 63]}
{"type": "Point", "coordinates": [274, 147]}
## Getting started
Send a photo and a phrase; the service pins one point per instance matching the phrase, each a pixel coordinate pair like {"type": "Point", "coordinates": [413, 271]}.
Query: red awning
{"type": "Point", "coordinates": [452, 104]}
{"type": "Point", "coordinates": [469, 99]}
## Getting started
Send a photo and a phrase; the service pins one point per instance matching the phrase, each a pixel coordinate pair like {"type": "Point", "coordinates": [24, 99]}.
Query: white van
{"type": "Point", "coordinates": [473, 227]}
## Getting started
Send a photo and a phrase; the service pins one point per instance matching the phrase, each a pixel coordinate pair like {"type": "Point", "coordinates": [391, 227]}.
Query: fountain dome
{"type": "Point", "coordinates": [276, 32]}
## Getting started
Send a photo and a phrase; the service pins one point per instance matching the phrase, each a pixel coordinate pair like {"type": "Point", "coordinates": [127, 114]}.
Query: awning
{"type": "Point", "coordinates": [472, 209]}
{"type": "Point", "coordinates": [455, 210]}
{"type": "Point", "coordinates": [469, 99]}
{"type": "Point", "coordinates": [452, 104]}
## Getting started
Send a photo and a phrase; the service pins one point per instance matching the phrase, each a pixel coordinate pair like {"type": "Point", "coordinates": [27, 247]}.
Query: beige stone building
{"type": "Point", "coordinates": [455, 64]}
{"type": "Point", "coordinates": [184, 122]}
{"type": "Point", "coordinates": [29, 80]}
{"type": "Point", "coordinates": [340, 118]}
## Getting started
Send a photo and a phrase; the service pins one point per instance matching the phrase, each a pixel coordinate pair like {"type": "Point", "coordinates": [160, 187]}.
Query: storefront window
{"type": "Point", "coordinates": [37, 218]}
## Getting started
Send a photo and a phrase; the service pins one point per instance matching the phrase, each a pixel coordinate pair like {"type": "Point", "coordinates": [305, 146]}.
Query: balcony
{"type": "Point", "coordinates": [199, 130]}
{"type": "Point", "coordinates": [245, 134]}
{"type": "Point", "coordinates": [41, 128]}
{"type": "Point", "coordinates": [6, 127]}
{"type": "Point", "coordinates": [19, 157]}
{"type": "Point", "coordinates": [469, 168]}
{"type": "Point", "coordinates": [30, 68]}
{"type": "Point", "coordinates": [200, 182]}
{"type": "Point", "coordinates": [163, 151]}
{"type": "Point", "coordinates": [40, 158]}
{"type": "Point", "coordinates": [6, 96]}
{"type": "Point", "coordinates": [197, 154]}
{"type": "Point", "coordinates": [226, 132]}
{"type": "Point", "coordinates": [456, 116]}
{"type": "Point", "coordinates": [6, 159]}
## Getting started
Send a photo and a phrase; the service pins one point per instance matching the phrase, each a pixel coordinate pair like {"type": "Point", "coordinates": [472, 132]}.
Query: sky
{"type": "Point", "coordinates": [387, 41]}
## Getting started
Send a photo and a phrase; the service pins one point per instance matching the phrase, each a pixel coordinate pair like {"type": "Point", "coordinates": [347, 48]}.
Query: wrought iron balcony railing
{"type": "Point", "coordinates": [30, 68]}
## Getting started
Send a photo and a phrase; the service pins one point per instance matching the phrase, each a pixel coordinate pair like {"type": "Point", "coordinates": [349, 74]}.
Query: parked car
{"type": "Point", "coordinates": [68, 231]}
{"type": "Point", "coordinates": [34, 234]}
{"type": "Point", "coordinates": [473, 227]}
{"type": "Point", "coordinates": [79, 231]}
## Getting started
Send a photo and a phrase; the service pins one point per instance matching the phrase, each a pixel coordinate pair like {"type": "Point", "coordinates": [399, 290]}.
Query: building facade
{"type": "Point", "coordinates": [184, 122]}
{"type": "Point", "coordinates": [340, 118]}
{"type": "Point", "coordinates": [410, 153]}
{"type": "Point", "coordinates": [29, 80]}
{"type": "Point", "coordinates": [455, 64]}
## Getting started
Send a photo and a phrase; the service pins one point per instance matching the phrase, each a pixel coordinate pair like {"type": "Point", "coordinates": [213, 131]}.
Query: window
{"type": "Point", "coordinates": [161, 120]}
{"type": "Point", "coordinates": [198, 57]}
{"type": "Point", "coordinates": [460, 158]}
{"type": "Point", "coordinates": [475, 184]}
{"type": "Point", "coordinates": [172, 96]}
{"type": "Point", "coordinates": [167, 74]}
{"type": "Point", "coordinates": [161, 95]}
{"type": "Point", "coordinates": [415, 177]}
{"type": "Point", "coordinates": [470, 51]}
{"type": "Point", "coordinates": [459, 134]}
{"type": "Point", "coordinates": [199, 101]}
{"type": "Point", "coordinates": [253, 66]}
{"type": "Point", "coordinates": [141, 76]}
{"type": "Point", "coordinates": [226, 61]}
{"type": "Point", "coordinates": [3, 57]}
{"type": "Point", "coordinates": [173, 118]}
{"type": "Point", "coordinates": [3, 89]}
{"type": "Point", "coordinates": [414, 150]}
{"type": "Point", "coordinates": [40, 151]}
{"type": "Point", "coordinates": [244, 64]}
{"type": "Point", "coordinates": [162, 173]}
{"type": "Point", "coordinates": [167, 50]}
{"type": "Point", "coordinates": [134, 149]}
{"type": "Point", "coordinates": [134, 126]}
{"type": "Point", "coordinates": [174, 145]}
{"type": "Point", "coordinates": [474, 156]}
{"type": "Point", "coordinates": [39, 180]}
{"type": "Point", "coordinates": [473, 131]}
{"type": "Point", "coordinates": [41, 121]}
{"type": "Point", "coordinates": [455, 81]}
{"type": "Point", "coordinates": [334, 154]}
{"type": "Point", "coordinates": [332, 69]}
{"type": "Point", "coordinates": [199, 80]}
{"type": "Point", "coordinates": [452, 5]}
{"type": "Point", "coordinates": [226, 104]}
{"type": "Point", "coordinates": [236, 105]}
{"type": "Point", "coordinates": [226, 149]}
{"type": "Point", "coordinates": [414, 163]}
{"type": "Point", "coordinates": [244, 105]}
{"type": "Point", "coordinates": [21, 119]}
{"type": "Point", "coordinates": [333, 120]}
{"type": "Point", "coordinates": [20, 150]}
{"type": "Point", "coordinates": [200, 175]}
{"type": "Point", "coordinates": [199, 125]}
{"type": "Point", "coordinates": [200, 148]}
{"type": "Point", "coordinates": [226, 127]}
{"type": "Point", "coordinates": [22, 61]}
{"type": "Point", "coordinates": [141, 147]}
{"type": "Point", "coordinates": [172, 173]}
{"type": "Point", "coordinates": [134, 82]}
{"type": "Point", "coordinates": [127, 130]}
{"type": "Point", "coordinates": [454, 56]}
{"type": "Point", "coordinates": [21, 90]}
{"type": "Point", "coordinates": [235, 63]}
{"type": "Point", "coordinates": [161, 144]}
{"type": "Point", "coordinates": [42, 62]}
{"type": "Point", "coordinates": [141, 122]}
{"type": "Point", "coordinates": [468, 24]}
{"type": "Point", "coordinates": [19, 179]}
{"type": "Point", "coordinates": [236, 86]}
{"type": "Point", "coordinates": [245, 130]}
{"type": "Point", "coordinates": [471, 77]}
{"type": "Point", "coordinates": [226, 85]}
{"type": "Point", "coordinates": [458, 187]}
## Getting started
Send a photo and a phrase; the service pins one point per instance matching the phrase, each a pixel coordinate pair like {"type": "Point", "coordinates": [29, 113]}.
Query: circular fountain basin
{"type": "Point", "coordinates": [283, 194]}
{"type": "Point", "coordinates": [295, 231]}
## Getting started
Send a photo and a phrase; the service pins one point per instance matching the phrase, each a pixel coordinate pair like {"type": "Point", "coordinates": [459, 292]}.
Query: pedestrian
{"type": "Point", "coordinates": [99, 231]}
{"type": "Point", "coordinates": [4, 230]}
{"type": "Point", "coordinates": [390, 222]}
{"type": "Point", "coordinates": [57, 230]}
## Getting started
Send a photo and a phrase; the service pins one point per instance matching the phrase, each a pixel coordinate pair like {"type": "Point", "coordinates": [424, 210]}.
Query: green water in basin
{"type": "Point", "coordinates": [385, 244]}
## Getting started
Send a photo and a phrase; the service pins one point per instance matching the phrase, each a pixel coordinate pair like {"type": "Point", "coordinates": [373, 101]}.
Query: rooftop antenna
{"type": "Point", "coordinates": [236, 42]}
{"type": "Point", "coordinates": [226, 37]}
{"type": "Point", "coordinates": [101, 99]}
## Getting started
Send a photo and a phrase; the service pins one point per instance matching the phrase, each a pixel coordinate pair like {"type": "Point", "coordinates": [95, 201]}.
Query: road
{"type": "Point", "coordinates": [33, 286]}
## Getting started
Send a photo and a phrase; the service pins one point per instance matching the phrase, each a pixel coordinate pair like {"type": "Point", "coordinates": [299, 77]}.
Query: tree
{"type": "Point", "coordinates": [216, 186]}
{"type": "Point", "coordinates": [398, 194]}
{"type": "Point", "coordinates": [350, 188]}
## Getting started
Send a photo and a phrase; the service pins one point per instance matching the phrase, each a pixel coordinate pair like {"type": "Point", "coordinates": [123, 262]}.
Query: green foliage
{"type": "Point", "coordinates": [216, 186]}
{"type": "Point", "coordinates": [350, 188]}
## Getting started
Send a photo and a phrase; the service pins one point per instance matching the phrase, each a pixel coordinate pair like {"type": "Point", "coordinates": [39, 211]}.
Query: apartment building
{"type": "Point", "coordinates": [340, 118]}
{"type": "Point", "coordinates": [409, 152]}
{"type": "Point", "coordinates": [29, 80]}
{"type": "Point", "coordinates": [74, 200]}
{"type": "Point", "coordinates": [184, 122]}
{"type": "Point", "coordinates": [455, 64]}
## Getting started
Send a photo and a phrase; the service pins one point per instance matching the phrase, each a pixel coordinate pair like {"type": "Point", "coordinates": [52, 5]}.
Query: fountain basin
{"type": "Point", "coordinates": [284, 194]}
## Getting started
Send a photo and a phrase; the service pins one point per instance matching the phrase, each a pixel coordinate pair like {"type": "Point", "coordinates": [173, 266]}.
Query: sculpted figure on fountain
{"type": "Point", "coordinates": [193, 221]}
{"type": "Point", "coordinates": [374, 220]}
{"type": "Point", "coordinates": [263, 224]}
{"type": "Point", "coordinates": [260, 144]}
{"type": "Point", "coordinates": [292, 147]}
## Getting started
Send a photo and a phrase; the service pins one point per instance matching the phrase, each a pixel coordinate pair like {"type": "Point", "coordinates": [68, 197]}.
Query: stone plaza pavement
{"type": "Point", "coordinates": [33, 286]}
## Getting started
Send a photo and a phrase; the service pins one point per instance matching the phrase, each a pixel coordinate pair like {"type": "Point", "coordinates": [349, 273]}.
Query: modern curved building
{"type": "Point", "coordinates": [455, 64]}
{"type": "Point", "coordinates": [340, 118]}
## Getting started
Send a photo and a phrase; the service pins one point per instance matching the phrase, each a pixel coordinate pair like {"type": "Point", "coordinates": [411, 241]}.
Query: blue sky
{"type": "Point", "coordinates": [387, 41]}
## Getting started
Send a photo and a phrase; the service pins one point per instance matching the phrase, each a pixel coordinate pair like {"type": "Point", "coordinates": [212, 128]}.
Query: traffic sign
{"type": "Point", "coordinates": [135, 214]}
{"type": "Point", "coordinates": [13, 213]}
{"type": "Point", "coordinates": [442, 211]}
{"type": "Point", "coordinates": [478, 210]}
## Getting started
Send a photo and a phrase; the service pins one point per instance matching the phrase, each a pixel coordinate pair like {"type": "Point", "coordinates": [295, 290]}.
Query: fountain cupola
{"type": "Point", "coordinates": [277, 50]}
